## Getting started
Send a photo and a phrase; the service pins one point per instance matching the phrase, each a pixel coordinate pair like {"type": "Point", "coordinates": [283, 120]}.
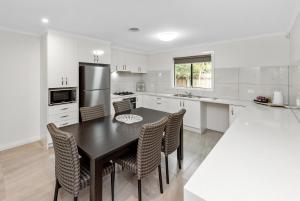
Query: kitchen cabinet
{"type": "Point", "coordinates": [138, 64]}
{"type": "Point", "coordinates": [139, 101]}
{"type": "Point", "coordinates": [234, 111]}
{"type": "Point", "coordinates": [192, 115]}
{"type": "Point", "coordinates": [120, 61]}
{"type": "Point", "coordinates": [156, 103]}
{"type": "Point", "coordinates": [62, 63]}
{"type": "Point", "coordinates": [123, 61]}
{"type": "Point", "coordinates": [88, 49]}
{"type": "Point", "coordinates": [62, 115]}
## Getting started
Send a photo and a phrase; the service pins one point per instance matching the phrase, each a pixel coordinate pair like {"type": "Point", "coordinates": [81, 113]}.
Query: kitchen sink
{"type": "Point", "coordinates": [183, 95]}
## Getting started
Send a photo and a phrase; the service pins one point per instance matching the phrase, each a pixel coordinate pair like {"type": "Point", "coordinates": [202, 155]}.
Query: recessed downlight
{"type": "Point", "coordinates": [45, 20]}
{"type": "Point", "coordinates": [167, 36]}
{"type": "Point", "coordinates": [134, 29]}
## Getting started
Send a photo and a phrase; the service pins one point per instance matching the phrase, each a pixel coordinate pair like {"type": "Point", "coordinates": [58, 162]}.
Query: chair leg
{"type": "Point", "coordinates": [178, 159]}
{"type": "Point", "coordinates": [113, 184]}
{"type": "Point", "coordinates": [57, 186]}
{"type": "Point", "coordinates": [160, 180]}
{"type": "Point", "coordinates": [167, 168]}
{"type": "Point", "coordinates": [75, 198]}
{"type": "Point", "coordinates": [140, 189]}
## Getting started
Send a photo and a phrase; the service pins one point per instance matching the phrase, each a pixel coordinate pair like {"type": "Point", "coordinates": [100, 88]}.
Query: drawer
{"type": "Point", "coordinates": [58, 109]}
{"type": "Point", "coordinates": [66, 122]}
{"type": "Point", "coordinates": [63, 116]}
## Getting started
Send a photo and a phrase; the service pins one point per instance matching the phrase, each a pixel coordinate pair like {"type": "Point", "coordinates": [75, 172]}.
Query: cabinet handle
{"type": "Point", "coordinates": [64, 108]}
{"type": "Point", "coordinates": [232, 113]}
{"type": "Point", "coordinates": [64, 124]}
{"type": "Point", "coordinates": [66, 80]}
{"type": "Point", "coordinates": [62, 80]}
{"type": "Point", "coordinates": [64, 116]}
{"type": "Point", "coordinates": [180, 103]}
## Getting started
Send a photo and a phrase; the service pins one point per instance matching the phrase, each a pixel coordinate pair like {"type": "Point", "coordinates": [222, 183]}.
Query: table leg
{"type": "Point", "coordinates": [96, 168]}
{"type": "Point", "coordinates": [181, 142]}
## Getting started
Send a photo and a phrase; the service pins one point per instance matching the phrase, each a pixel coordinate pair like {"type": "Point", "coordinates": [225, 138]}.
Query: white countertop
{"type": "Point", "coordinates": [257, 159]}
{"type": "Point", "coordinates": [202, 99]}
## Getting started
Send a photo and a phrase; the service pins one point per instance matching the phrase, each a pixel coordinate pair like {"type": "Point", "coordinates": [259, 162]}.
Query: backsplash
{"type": "Point", "coordinates": [294, 83]}
{"type": "Point", "coordinates": [123, 81]}
{"type": "Point", "coordinates": [236, 83]}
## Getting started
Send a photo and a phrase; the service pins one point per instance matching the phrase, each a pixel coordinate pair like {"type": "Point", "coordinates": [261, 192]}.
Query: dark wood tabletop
{"type": "Point", "coordinates": [105, 139]}
{"type": "Point", "coordinates": [98, 138]}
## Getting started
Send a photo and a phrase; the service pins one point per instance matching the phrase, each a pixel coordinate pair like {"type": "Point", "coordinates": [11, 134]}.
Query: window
{"type": "Point", "coordinates": [193, 72]}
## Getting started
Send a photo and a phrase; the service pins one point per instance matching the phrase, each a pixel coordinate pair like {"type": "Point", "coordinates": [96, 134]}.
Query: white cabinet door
{"type": "Point", "coordinates": [71, 64]}
{"type": "Point", "coordinates": [149, 102]}
{"type": "Point", "coordinates": [86, 48]}
{"type": "Point", "coordinates": [139, 101]}
{"type": "Point", "coordinates": [174, 105]}
{"type": "Point", "coordinates": [138, 64]}
{"type": "Point", "coordinates": [62, 61]}
{"type": "Point", "coordinates": [192, 115]}
{"type": "Point", "coordinates": [55, 61]}
{"type": "Point", "coordinates": [234, 111]}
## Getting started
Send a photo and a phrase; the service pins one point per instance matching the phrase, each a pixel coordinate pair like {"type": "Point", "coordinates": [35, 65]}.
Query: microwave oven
{"type": "Point", "coordinates": [60, 96]}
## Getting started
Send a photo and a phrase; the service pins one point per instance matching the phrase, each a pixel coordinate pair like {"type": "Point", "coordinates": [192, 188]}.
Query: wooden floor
{"type": "Point", "coordinates": [27, 174]}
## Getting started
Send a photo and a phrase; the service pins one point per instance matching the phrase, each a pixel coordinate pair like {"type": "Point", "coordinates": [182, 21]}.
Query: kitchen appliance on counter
{"type": "Point", "coordinates": [59, 96]}
{"type": "Point", "coordinates": [94, 85]}
{"type": "Point", "coordinates": [140, 86]}
{"type": "Point", "coordinates": [277, 98]}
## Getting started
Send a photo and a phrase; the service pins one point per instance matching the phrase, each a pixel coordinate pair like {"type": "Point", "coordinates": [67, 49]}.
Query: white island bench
{"type": "Point", "coordinates": [257, 159]}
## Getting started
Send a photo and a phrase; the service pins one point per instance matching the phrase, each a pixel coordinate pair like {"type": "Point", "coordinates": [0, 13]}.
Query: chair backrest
{"type": "Point", "coordinates": [149, 147]}
{"type": "Point", "coordinates": [171, 140]}
{"type": "Point", "coordinates": [122, 106]}
{"type": "Point", "coordinates": [90, 113]}
{"type": "Point", "coordinates": [67, 164]}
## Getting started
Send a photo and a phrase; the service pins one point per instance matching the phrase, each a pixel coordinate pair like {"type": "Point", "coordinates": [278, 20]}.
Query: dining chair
{"type": "Point", "coordinates": [171, 138]}
{"type": "Point", "coordinates": [122, 106]}
{"type": "Point", "coordinates": [71, 173]}
{"type": "Point", "coordinates": [90, 113]}
{"type": "Point", "coordinates": [148, 155]}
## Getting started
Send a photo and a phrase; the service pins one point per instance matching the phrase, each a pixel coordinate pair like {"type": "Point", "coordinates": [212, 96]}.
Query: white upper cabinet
{"type": "Point", "coordinates": [123, 61]}
{"type": "Point", "coordinates": [62, 63]}
{"type": "Point", "coordinates": [93, 51]}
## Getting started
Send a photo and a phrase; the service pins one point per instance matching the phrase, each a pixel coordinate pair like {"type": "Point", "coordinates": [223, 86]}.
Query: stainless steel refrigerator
{"type": "Point", "coordinates": [94, 85]}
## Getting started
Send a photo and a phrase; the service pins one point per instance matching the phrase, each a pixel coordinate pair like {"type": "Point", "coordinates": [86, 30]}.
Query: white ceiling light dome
{"type": "Point", "coordinates": [167, 36]}
{"type": "Point", "coordinates": [45, 20]}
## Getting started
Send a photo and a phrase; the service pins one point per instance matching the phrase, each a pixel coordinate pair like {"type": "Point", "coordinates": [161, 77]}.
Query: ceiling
{"type": "Point", "coordinates": [197, 21]}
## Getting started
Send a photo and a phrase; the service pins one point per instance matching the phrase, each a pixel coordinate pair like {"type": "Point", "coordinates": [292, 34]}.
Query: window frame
{"type": "Point", "coordinates": [197, 88]}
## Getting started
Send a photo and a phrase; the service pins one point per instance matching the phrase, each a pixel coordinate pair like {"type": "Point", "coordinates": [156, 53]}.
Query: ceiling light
{"type": "Point", "coordinates": [98, 52]}
{"type": "Point", "coordinates": [167, 36]}
{"type": "Point", "coordinates": [45, 20]}
{"type": "Point", "coordinates": [134, 29]}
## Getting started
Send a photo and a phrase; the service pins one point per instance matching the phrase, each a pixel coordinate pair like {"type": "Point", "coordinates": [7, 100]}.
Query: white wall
{"type": "Point", "coordinates": [20, 89]}
{"type": "Point", "coordinates": [295, 62]}
{"type": "Point", "coordinates": [263, 51]}
{"type": "Point", "coordinates": [295, 42]}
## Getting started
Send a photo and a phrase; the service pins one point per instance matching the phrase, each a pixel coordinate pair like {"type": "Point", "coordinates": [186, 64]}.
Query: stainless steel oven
{"type": "Point", "coordinates": [58, 96]}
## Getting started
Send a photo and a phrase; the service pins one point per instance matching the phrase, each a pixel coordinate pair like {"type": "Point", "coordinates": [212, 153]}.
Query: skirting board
{"type": "Point", "coordinates": [20, 143]}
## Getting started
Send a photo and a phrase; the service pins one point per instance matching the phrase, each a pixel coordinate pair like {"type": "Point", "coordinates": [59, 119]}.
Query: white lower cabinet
{"type": "Point", "coordinates": [171, 105]}
{"type": "Point", "coordinates": [234, 111]}
{"type": "Point", "coordinates": [62, 115]}
{"type": "Point", "coordinates": [192, 115]}
{"type": "Point", "coordinates": [139, 101]}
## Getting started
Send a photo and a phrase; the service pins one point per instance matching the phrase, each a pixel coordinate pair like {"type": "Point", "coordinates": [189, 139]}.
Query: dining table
{"type": "Point", "coordinates": [105, 139]}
